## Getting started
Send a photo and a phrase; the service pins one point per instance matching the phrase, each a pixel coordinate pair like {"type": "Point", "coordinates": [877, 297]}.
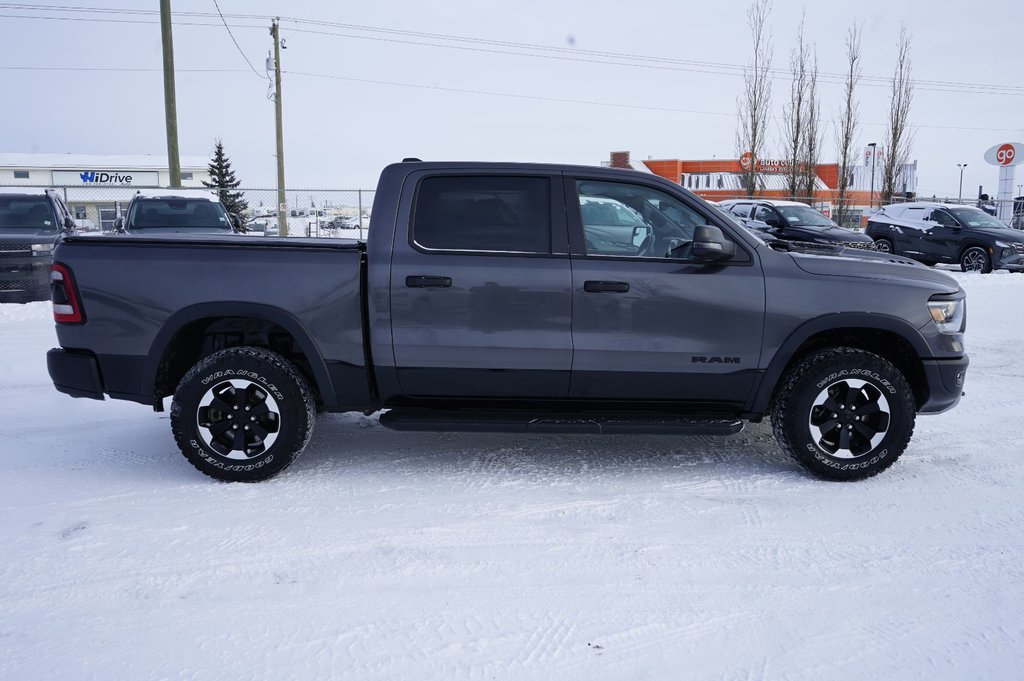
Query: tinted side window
{"type": "Point", "coordinates": [507, 214]}
{"type": "Point", "coordinates": [623, 219]}
{"type": "Point", "coordinates": [763, 213]}
{"type": "Point", "coordinates": [943, 218]}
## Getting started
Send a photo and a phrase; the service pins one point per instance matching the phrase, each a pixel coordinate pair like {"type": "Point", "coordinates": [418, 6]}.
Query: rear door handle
{"type": "Point", "coordinates": [605, 286]}
{"type": "Point", "coordinates": [419, 281]}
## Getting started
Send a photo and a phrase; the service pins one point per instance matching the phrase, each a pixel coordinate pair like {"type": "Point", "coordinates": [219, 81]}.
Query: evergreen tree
{"type": "Point", "coordinates": [222, 178]}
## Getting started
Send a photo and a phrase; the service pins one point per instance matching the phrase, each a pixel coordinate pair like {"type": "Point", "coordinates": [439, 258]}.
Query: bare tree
{"type": "Point", "coordinates": [812, 134]}
{"type": "Point", "coordinates": [794, 112]}
{"type": "Point", "coordinates": [898, 136]}
{"type": "Point", "coordinates": [847, 125]}
{"type": "Point", "coordinates": [754, 104]}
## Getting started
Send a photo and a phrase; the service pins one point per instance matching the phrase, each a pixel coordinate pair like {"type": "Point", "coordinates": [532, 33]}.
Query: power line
{"type": "Point", "coordinates": [561, 53]}
{"type": "Point", "coordinates": [261, 75]}
{"type": "Point", "coordinates": [465, 91]}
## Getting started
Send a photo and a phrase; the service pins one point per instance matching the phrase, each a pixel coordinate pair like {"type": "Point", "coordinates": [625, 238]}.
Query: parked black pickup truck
{"type": "Point", "coordinates": [518, 298]}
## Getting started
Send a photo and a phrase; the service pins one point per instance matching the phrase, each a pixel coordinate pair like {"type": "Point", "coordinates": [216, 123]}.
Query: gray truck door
{"type": "Point", "coordinates": [656, 323]}
{"type": "Point", "coordinates": [481, 287]}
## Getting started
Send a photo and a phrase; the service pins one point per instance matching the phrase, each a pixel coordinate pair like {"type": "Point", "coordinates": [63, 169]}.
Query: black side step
{"type": "Point", "coordinates": [533, 422]}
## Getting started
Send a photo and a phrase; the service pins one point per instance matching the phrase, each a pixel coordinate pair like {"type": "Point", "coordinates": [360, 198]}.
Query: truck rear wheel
{"type": "Point", "coordinates": [242, 414]}
{"type": "Point", "coordinates": [844, 414]}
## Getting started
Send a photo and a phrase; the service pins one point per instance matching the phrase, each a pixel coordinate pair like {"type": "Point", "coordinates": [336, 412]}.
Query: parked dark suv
{"type": "Point", "coordinates": [950, 233]}
{"type": "Point", "coordinates": [164, 211]}
{"type": "Point", "coordinates": [30, 221]}
{"type": "Point", "coordinates": [794, 221]}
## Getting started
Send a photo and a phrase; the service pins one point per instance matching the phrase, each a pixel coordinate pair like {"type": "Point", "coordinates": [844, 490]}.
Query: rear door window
{"type": "Point", "coordinates": [505, 214]}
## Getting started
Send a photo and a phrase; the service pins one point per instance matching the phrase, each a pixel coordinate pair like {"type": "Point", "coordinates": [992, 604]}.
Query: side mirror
{"type": "Point", "coordinates": [236, 222]}
{"type": "Point", "coordinates": [69, 225]}
{"type": "Point", "coordinates": [773, 223]}
{"type": "Point", "coordinates": [710, 244]}
{"type": "Point", "coordinates": [118, 224]}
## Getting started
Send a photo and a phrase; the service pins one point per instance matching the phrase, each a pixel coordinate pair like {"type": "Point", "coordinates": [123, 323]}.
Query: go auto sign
{"type": "Point", "coordinates": [1006, 154]}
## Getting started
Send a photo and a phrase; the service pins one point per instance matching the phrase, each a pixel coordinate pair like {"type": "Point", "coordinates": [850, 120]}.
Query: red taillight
{"type": "Point", "coordinates": [67, 309]}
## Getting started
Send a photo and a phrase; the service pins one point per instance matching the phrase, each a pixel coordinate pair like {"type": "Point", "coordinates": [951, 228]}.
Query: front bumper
{"type": "Point", "coordinates": [75, 373]}
{"type": "Point", "coordinates": [24, 279]}
{"type": "Point", "coordinates": [945, 383]}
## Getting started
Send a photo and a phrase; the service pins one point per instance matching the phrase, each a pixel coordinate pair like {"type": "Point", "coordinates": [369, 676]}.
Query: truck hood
{"type": "Point", "coordinates": [28, 235]}
{"type": "Point", "coordinates": [1007, 234]}
{"type": "Point", "coordinates": [829, 233]}
{"type": "Point", "coordinates": [870, 265]}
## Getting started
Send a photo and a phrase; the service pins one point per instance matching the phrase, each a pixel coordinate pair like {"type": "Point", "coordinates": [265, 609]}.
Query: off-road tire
{"type": "Point", "coordinates": [794, 409]}
{"type": "Point", "coordinates": [284, 415]}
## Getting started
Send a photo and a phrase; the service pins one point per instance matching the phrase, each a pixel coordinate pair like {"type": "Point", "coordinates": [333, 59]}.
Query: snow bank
{"type": "Point", "coordinates": [384, 555]}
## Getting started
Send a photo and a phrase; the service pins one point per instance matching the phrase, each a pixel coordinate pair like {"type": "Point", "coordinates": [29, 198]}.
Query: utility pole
{"type": "Point", "coordinates": [960, 194]}
{"type": "Point", "coordinates": [282, 204]}
{"type": "Point", "coordinates": [170, 106]}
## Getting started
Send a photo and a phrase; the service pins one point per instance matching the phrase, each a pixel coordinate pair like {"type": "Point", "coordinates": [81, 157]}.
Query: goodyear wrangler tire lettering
{"type": "Point", "coordinates": [843, 413]}
{"type": "Point", "coordinates": [242, 414]}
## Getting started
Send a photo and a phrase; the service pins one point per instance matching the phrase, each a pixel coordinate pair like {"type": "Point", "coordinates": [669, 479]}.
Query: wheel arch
{"type": "Point", "coordinates": [973, 244]}
{"type": "Point", "coordinates": [889, 337]}
{"type": "Point", "coordinates": [180, 343]}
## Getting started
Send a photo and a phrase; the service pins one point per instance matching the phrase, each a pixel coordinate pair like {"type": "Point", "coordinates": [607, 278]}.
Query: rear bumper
{"type": "Point", "coordinates": [945, 383]}
{"type": "Point", "coordinates": [75, 373]}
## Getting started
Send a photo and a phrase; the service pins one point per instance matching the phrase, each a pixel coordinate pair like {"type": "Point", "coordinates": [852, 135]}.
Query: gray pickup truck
{"type": "Point", "coordinates": [513, 298]}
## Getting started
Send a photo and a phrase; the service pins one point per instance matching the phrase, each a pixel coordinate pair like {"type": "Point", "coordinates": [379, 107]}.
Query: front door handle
{"type": "Point", "coordinates": [420, 281]}
{"type": "Point", "coordinates": [605, 287]}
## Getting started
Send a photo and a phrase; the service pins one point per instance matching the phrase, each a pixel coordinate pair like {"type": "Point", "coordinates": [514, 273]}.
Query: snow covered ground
{"type": "Point", "coordinates": [384, 555]}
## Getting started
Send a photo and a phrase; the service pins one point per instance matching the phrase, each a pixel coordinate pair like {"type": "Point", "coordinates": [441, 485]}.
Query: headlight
{"type": "Point", "coordinates": [1003, 244]}
{"type": "Point", "coordinates": [948, 315]}
{"type": "Point", "coordinates": [41, 249]}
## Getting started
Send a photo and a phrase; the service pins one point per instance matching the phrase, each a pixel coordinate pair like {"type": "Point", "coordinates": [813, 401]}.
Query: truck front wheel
{"type": "Point", "coordinates": [844, 414]}
{"type": "Point", "coordinates": [242, 414]}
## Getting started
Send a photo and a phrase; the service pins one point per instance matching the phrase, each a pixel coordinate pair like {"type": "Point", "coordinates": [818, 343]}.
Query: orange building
{"type": "Point", "coordinates": [719, 179]}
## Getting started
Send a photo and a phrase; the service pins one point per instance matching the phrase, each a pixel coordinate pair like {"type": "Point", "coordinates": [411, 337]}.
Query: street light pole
{"type": "Point", "coordinates": [960, 195]}
{"type": "Point", "coordinates": [874, 153]}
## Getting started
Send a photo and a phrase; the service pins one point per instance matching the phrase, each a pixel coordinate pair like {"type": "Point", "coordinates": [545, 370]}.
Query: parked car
{"type": "Point", "coordinates": [948, 233]}
{"type": "Point", "coordinates": [486, 298]}
{"type": "Point", "coordinates": [163, 211]}
{"type": "Point", "coordinates": [31, 220]}
{"type": "Point", "coordinates": [794, 221]}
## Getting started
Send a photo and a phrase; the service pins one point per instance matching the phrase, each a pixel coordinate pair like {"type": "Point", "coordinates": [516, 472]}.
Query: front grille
{"type": "Point", "coordinates": [1019, 248]}
{"type": "Point", "coordinates": [863, 245]}
{"type": "Point", "coordinates": [13, 285]}
{"type": "Point", "coordinates": [15, 250]}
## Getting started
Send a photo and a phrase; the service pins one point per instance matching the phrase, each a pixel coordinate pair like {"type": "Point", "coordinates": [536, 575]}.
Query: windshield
{"type": "Point", "coordinates": [171, 213]}
{"type": "Point", "coordinates": [26, 212]}
{"type": "Point", "coordinates": [804, 216]}
{"type": "Point", "coordinates": [974, 217]}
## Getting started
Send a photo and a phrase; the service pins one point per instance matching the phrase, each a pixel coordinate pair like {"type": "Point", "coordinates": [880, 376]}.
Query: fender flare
{"type": "Point", "coordinates": [258, 311]}
{"type": "Point", "coordinates": [759, 400]}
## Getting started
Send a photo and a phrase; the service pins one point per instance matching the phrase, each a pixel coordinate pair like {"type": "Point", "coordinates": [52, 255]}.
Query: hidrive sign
{"type": "Point", "coordinates": [107, 178]}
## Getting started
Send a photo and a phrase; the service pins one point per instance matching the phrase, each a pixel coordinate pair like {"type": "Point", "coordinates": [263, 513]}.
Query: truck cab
{"type": "Point", "coordinates": [175, 211]}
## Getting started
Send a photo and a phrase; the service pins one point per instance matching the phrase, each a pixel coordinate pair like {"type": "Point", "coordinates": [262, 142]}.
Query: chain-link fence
{"type": "Point", "coordinates": [339, 213]}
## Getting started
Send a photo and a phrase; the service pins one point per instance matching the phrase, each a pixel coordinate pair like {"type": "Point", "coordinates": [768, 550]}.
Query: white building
{"type": "Point", "coordinates": [97, 187]}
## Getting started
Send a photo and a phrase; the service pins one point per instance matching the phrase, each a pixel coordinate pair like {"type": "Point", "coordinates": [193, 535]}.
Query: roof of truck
{"type": "Point", "coordinates": [178, 193]}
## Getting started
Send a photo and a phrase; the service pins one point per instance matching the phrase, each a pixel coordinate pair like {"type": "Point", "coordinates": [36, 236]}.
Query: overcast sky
{"type": "Point", "coordinates": [340, 131]}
